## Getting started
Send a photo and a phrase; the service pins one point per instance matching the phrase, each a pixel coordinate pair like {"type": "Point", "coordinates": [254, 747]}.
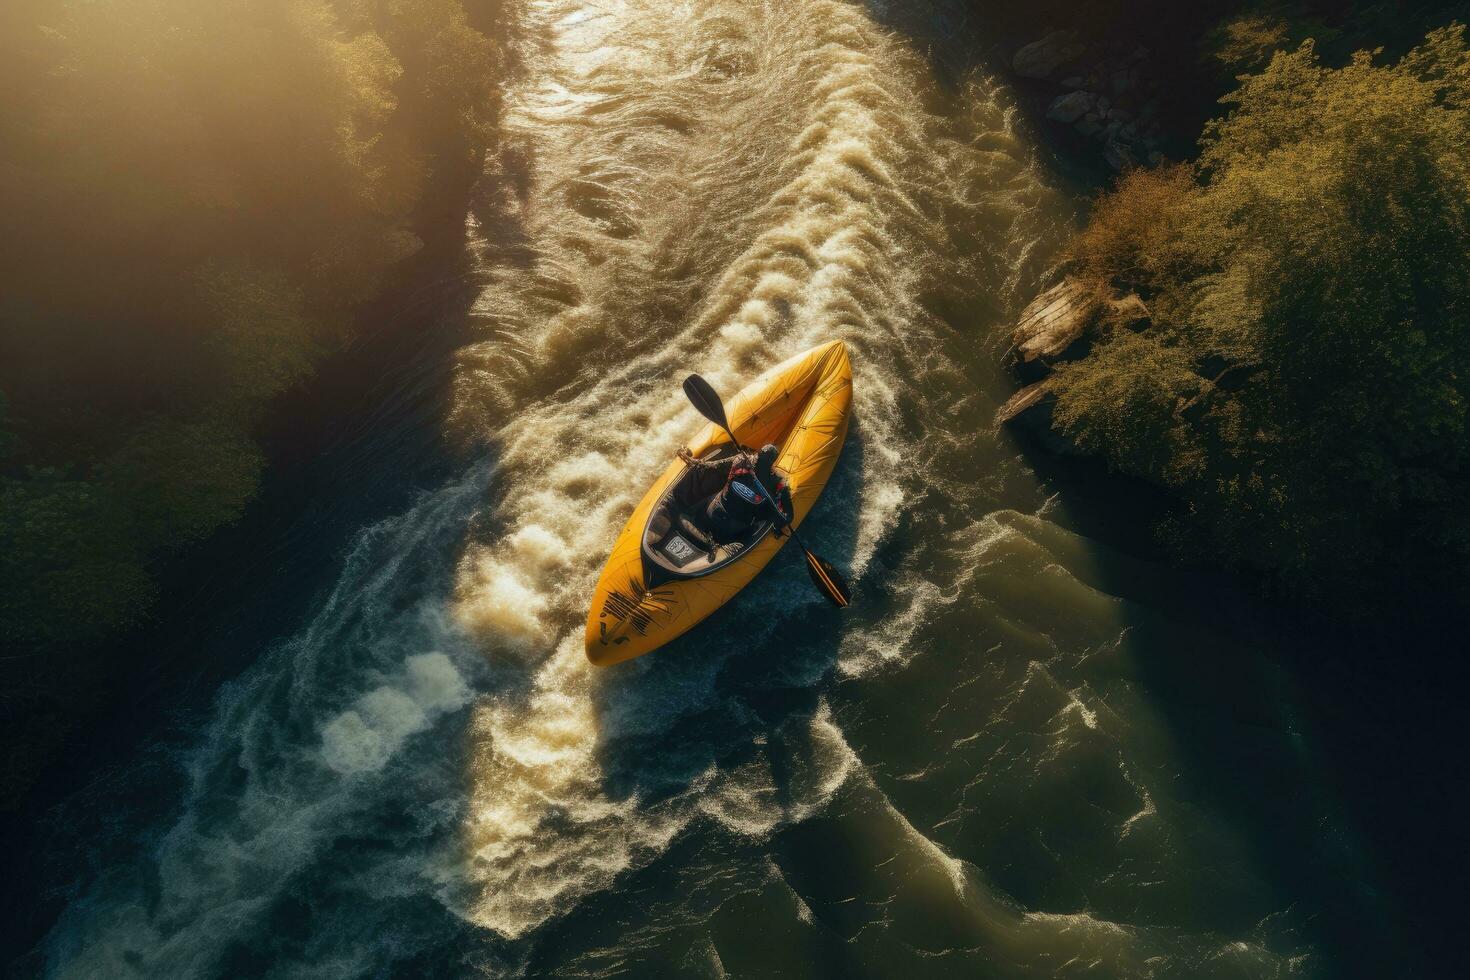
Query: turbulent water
{"type": "Point", "coordinates": [1019, 754]}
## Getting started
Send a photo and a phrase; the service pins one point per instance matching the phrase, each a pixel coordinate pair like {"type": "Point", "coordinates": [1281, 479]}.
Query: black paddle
{"type": "Point", "coordinates": [825, 577]}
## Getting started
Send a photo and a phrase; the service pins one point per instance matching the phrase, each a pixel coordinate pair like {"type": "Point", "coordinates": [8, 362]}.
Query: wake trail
{"type": "Point", "coordinates": [712, 196]}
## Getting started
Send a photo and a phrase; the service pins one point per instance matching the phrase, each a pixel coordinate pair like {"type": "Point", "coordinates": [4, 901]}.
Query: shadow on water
{"type": "Point", "coordinates": [1225, 678]}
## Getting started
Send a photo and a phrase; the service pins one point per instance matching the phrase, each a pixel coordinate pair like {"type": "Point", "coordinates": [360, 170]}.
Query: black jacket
{"type": "Point", "coordinates": [740, 503]}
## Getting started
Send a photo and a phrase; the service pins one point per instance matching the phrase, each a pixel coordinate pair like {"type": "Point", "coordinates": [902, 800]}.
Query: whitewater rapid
{"type": "Point", "coordinates": [717, 187]}
{"type": "Point", "coordinates": [430, 779]}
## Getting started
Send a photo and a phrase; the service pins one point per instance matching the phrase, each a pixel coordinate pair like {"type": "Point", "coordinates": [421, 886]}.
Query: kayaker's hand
{"type": "Point", "coordinates": [780, 532]}
{"type": "Point", "coordinates": [686, 456]}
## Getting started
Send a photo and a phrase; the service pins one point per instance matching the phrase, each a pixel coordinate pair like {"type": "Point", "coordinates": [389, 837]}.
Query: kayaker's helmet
{"type": "Point", "coordinates": [765, 464]}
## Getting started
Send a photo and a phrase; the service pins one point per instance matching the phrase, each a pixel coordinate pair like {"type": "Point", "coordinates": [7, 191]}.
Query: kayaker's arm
{"type": "Point", "coordinates": [783, 504]}
{"type": "Point", "coordinates": [693, 462]}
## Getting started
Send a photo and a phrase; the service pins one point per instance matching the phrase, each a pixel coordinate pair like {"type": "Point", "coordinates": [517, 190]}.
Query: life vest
{"type": "Point", "coordinates": [740, 502]}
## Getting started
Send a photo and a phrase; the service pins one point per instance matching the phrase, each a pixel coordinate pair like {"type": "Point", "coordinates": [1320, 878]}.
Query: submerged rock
{"type": "Point", "coordinates": [1119, 153]}
{"type": "Point", "coordinates": [1108, 97]}
{"type": "Point", "coordinates": [1090, 124]}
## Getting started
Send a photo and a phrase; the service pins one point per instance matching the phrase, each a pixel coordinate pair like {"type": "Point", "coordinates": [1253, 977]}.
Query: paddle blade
{"type": "Point", "coordinates": [706, 399]}
{"type": "Point", "coordinates": [828, 580]}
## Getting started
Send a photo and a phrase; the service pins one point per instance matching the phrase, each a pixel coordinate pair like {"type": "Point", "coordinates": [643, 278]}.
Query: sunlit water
{"type": "Point", "coordinates": [1001, 762]}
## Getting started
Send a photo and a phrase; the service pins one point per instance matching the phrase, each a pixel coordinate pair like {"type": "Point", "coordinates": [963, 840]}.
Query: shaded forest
{"type": "Point", "coordinates": [199, 196]}
{"type": "Point", "coordinates": [1301, 380]}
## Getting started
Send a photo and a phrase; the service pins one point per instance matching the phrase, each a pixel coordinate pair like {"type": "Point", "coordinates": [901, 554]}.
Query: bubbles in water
{"type": "Point", "coordinates": [363, 738]}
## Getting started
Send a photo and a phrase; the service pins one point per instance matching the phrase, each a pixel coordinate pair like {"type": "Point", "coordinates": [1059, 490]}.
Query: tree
{"type": "Point", "coordinates": [1315, 283]}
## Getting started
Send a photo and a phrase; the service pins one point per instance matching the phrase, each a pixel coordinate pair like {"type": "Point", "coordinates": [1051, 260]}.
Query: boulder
{"type": "Point", "coordinates": [1042, 59]}
{"type": "Point", "coordinates": [1119, 155]}
{"type": "Point", "coordinates": [1071, 107]}
{"type": "Point", "coordinates": [1052, 325]}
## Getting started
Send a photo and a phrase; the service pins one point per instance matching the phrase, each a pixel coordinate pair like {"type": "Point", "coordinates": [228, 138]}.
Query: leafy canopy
{"type": "Point", "coordinates": [1306, 380]}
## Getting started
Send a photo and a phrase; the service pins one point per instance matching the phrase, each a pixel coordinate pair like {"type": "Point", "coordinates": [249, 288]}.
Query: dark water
{"type": "Point", "coordinates": [1024, 752]}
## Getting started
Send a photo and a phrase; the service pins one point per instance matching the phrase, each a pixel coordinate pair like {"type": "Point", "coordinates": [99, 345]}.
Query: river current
{"type": "Point", "coordinates": [1022, 753]}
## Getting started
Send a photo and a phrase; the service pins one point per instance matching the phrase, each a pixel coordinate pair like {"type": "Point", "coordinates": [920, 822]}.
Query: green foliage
{"type": "Point", "coordinates": [197, 197]}
{"type": "Point", "coordinates": [71, 567]}
{"type": "Point", "coordinates": [1143, 233]}
{"type": "Point", "coordinates": [1315, 287]}
{"type": "Point", "coordinates": [1123, 402]}
{"type": "Point", "coordinates": [182, 479]}
{"type": "Point", "coordinates": [1244, 42]}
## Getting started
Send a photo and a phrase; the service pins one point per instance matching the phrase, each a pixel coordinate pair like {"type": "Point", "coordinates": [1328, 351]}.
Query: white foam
{"type": "Point", "coordinates": [365, 737]}
{"type": "Point", "coordinates": [830, 235]}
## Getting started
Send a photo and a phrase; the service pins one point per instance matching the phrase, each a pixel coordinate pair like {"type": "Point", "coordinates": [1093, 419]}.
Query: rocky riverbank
{"type": "Point", "coordinates": [1058, 326]}
{"type": "Point", "coordinates": [1104, 90]}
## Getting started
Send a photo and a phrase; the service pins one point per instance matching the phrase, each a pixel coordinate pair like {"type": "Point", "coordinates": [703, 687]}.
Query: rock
{"type": "Point", "coordinates": [1119, 155]}
{"type": "Point", "coordinates": [1030, 411]}
{"type": "Point", "coordinates": [1104, 104]}
{"type": "Point", "coordinates": [1052, 325]}
{"type": "Point", "coordinates": [1075, 81]}
{"type": "Point", "coordinates": [1042, 59]}
{"type": "Point", "coordinates": [1028, 399]}
{"type": "Point", "coordinates": [1071, 107]}
{"type": "Point", "coordinates": [1122, 82]}
{"type": "Point", "coordinates": [1089, 125]}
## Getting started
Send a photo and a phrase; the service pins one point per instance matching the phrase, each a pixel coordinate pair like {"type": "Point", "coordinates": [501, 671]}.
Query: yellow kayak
{"type": "Point", "coordinates": [664, 576]}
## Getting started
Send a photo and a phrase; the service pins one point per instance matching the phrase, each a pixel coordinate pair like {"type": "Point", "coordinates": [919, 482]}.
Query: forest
{"type": "Point", "coordinates": [198, 198]}
{"type": "Point", "coordinates": [1301, 380]}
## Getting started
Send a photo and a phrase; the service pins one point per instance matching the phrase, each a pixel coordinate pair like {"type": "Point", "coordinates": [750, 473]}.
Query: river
{"type": "Point", "coordinates": [1024, 752]}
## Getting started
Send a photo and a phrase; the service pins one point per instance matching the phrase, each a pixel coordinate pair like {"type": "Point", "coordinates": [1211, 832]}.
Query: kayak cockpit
{"type": "Point", "coordinates": [676, 541]}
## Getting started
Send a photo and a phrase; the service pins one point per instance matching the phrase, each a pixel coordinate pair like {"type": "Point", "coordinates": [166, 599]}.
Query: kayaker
{"type": "Point", "coordinates": [740, 504]}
